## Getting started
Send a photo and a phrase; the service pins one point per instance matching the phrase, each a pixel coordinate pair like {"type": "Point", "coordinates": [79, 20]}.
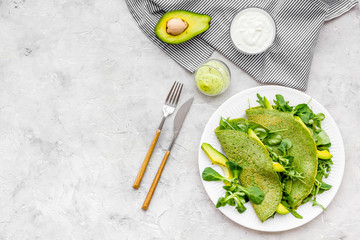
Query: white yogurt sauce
{"type": "Point", "coordinates": [253, 30]}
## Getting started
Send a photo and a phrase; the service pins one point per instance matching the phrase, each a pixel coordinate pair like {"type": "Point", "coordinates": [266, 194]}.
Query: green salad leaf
{"type": "Point", "coordinates": [285, 160]}
{"type": "Point", "coordinates": [261, 133]}
{"type": "Point", "coordinates": [261, 101]}
{"type": "Point", "coordinates": [234, 168]}
{"type": "Point", "coordinates": [226, 124]}
{"type": "Point", "coordinates": [273, 140]}
{"type": "Point", "coordinates": [285, 146]}
{"type": "Point", "coordinates": [254, 194]}
{"type": "Point", "coordinates": [210, 174]}
{"type": "Point", "coordinates": [281, 104]}
{"type": "Point", "coordinates": [304, 112]}
{"type": "Point", "coordinates": [320, 137]}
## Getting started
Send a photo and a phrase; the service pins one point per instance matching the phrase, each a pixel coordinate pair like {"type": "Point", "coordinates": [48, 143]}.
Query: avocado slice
{"type": "Point", "coordinates": [178, 26]}
{"type": "Point", "coordinates": [267, 104]}
{"type": "Point", "coordinates": [281, 209]}
{"type": "Point", "coordinates": [278, 167]}
{"type": "Point", "coordinates": [217, 158]}
{"type": "Point", "coordinates": [324, 154]}
{"type": "Point", "coordinates": [253, 135]}
{"type": "Point", "coordinates": [297, 118]}
{"type": "Point", "coordinates": [227, 174]}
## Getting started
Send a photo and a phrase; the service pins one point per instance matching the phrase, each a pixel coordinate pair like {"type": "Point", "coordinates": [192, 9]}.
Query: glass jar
{"type": "Point", "coordinates": [213, 77]}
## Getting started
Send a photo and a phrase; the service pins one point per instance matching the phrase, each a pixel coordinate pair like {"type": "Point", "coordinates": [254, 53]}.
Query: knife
{"type": "Point", "coordinates": [178, 122]}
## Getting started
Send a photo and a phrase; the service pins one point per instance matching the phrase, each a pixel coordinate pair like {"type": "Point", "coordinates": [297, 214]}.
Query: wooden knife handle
{"type": "Point", "coordinates": [146, 160]}
{"type": "Point", "coordinates": [155, 182]}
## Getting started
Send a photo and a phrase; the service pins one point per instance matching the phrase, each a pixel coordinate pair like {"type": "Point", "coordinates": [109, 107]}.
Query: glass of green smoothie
{"type": "Point", "coordinates": [213, 77]}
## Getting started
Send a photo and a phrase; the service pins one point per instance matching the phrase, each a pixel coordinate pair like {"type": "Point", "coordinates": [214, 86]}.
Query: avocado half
{"type": "Point", "coordinates": [187, 25]}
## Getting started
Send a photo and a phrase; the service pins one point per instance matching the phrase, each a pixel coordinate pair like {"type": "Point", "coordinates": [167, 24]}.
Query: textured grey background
{"type": "Point", "coordinates": [80, 99]}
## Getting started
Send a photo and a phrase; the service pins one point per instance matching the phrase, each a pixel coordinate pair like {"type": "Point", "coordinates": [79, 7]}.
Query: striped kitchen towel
{"type": "Point", "coordinates": [287, 62]}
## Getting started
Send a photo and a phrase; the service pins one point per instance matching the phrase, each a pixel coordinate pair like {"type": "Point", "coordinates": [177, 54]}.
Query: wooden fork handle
{"type": "Point", "coordinates": [155, 182]}
{"type": "Point", "coordinates": [146, 160]}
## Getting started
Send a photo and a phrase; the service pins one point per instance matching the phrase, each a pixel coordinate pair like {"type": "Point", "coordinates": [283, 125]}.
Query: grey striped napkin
{"type": "Point", "coordinates": [287, 62]}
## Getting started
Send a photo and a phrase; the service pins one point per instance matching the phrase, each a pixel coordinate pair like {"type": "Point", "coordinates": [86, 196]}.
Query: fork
{"type": "Point", "coordinates": [168, 108]}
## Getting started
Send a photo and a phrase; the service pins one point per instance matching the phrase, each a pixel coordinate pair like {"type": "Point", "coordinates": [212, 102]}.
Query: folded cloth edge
{"type": "Point", "coordinates": [341, 9]}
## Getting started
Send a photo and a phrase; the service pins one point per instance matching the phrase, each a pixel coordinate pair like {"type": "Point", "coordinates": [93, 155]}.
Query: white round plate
{"type": "Point", "coordinates": [234, 108]}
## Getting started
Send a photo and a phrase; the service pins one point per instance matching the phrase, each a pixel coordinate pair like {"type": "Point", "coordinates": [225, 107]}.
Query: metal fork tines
{"type": "Point", "coordinates": [171, 101]}
{"type": "Point", "coordinates": [168, 108]}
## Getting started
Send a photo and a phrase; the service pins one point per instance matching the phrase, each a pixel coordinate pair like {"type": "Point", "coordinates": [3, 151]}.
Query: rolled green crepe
{"type": "Point", "coordinates": [303, 149]}
{"type": "Point", "coordinates": [257, 168]}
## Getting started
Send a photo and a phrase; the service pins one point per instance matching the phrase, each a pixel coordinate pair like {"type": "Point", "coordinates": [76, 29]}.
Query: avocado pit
{"type": "Point", "coordinates": [176, 26]}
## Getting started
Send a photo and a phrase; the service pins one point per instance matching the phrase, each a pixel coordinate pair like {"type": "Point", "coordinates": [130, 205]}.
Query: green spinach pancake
{"type": "Point", "coordinates": [303, 149]}
{"type": "Point", "coordinates": [257, 166]}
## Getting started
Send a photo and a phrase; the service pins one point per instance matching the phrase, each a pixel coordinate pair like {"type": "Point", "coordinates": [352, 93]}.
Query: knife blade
{"type": "Point", "coordinates": [178, 122]}
{"type": "Point", "coordinates": [179, 119]}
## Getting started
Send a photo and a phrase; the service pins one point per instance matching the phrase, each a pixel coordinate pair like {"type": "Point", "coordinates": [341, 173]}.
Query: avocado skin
{"type": "Point", "coordinates": [198, 23]}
